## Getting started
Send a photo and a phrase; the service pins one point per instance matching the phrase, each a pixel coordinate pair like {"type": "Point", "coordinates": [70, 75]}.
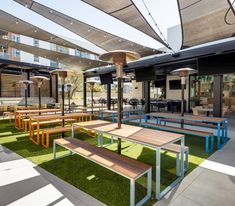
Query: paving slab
{"type": "Point", "coordinates": [24, 183]}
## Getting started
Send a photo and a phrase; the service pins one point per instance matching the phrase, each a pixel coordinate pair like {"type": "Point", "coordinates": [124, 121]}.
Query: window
{"type": "Point", "coordinates": [63, 50]}
{"type": "Point", "coordinates": [36, 42]}
{"type": "Point", "coordinates": [54, 63]}
{"type": "Point", "coordinates": [36, 58]}
{"type": "Point", "coordinates": [16, 38]}
{"type": "Point", "coordinates": [15, 53]}
{"type": "Point", "coordinates": [53, 47]}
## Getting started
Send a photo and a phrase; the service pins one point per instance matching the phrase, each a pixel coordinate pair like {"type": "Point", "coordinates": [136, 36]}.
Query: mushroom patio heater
{"type": "Point", "coordinates": [63, 74]}
{"type": "Point", "coordinates": [92, 83]}
{"type": "Point", "coordinates": [119, 58]}
{"type": "Point", "coordinates": [183, 73]}
{"type": "Point", "coordinates": [69, 87]}
{"type": "Point", "coordinates": [26, 83]}
{"type": "Point", "coordinates": [39, 80]}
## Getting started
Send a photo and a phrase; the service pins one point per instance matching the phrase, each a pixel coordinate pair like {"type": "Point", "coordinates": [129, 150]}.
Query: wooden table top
{"type": "Point", "coordinates": [150, 137]}
{"type": "Point", "coordinates": [58, 116]}
{"type": "Point", "coordinates": [37, 111]}
{"type": "Point", "coordinates": [187, 117]}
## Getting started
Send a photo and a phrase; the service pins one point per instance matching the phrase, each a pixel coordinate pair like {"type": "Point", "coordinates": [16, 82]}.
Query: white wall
{"type": "Point", "coordinates": [176, 94]}
{"type": "Point", "coordinates": [29, 58]}
{"type": "Point", "coordinates": [174, 37]}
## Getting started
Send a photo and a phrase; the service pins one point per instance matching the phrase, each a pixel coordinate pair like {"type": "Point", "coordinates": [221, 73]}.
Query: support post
{"type": "Point", "coordinates": [218, 95]}
{"type": "Point", "coordinates": [63, 108]}
{"type": "Point", "coordinates": [50, 91]}
{"type": "Point", "coordinates": [25, 96]}
{"type": "Point", "coordinates": [0, 84]}
{"type": "Point", "coordinates": [28, 87]}
{"type": "Point", "coordinates": [84, 92]}
{"type": "Point", "coordinates": [147, 96]}
{"type": "Point", "coordinates": [119, 80]}
{"type": "Point", "coordinates": [56, 89]}
{"type": "Point", "coordinates": [39, 98]}
{"type": "Point", "coordinates": [109, 96]}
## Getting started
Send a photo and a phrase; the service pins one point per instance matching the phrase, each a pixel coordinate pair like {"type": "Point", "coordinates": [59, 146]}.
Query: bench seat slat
{"type": "Point", "coordinates": [127, 167]}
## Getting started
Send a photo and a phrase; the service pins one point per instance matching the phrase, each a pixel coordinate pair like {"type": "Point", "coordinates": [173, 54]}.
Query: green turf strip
{"type": "Point", "coordinates": [102, 184]}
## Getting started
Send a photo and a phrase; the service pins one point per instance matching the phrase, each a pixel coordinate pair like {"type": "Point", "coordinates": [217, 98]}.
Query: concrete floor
{"type": "Point", "coordinates": [210, 184]}
{"type": "Point", "coordinates": [23, 183]}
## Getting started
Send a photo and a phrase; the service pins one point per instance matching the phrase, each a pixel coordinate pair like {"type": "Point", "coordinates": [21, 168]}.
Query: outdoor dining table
{"type": "Point", "coordinates": [209, 120]}
{"type": "Point", "coordinates": [19, 113]}
{"type": "Point", "coordinates": [113, 113]}
{"type": "Point", "coordinates": [38, 119]}
{"type": "Point", "coordinates": [147, 137]}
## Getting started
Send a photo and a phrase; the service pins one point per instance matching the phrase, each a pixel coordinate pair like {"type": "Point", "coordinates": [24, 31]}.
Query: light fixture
{"type": "Point", "coordinates": [183, 73]}
{"type": "Point", "coordinates": [39, 80]}
{"type": "Point", "coordinates": [63, 74]}
{"type": "Point", "coordinates": [71, 23]}
{"type": "Point", "coordinates": [26, 83]}
{"type": "Point", "coordinates": [119, 58]}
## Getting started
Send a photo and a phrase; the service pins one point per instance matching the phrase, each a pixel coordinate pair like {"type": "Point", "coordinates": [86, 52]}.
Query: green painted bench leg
{"type": "Point", "coordinates": [207, 144]}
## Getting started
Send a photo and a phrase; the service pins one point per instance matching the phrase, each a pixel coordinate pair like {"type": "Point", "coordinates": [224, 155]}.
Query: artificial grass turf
{"type": "Point", "coordinates": [104, 185]}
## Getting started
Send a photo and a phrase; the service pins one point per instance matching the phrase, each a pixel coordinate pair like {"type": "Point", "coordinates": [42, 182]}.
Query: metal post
{"type": "Point", "coordinates": [109, 96]}
{"type": "Point", "coordinates": [119, 110]}
{"type": "Point", "coordinates": [50, 91]}
{"type": "Point", "coordinates": [182, 100]}
{"type": "Point", "coordinates": [0, 84]}
{"type": "Point", "coordinates": [218, 95]}
{"type": "Point", "coordinates": [69, 96]}
{"type": "Point", "coordinates": [63, 108]}
{"type": "Point", "coordinates": [147, 96]}
{"type": "Point", "coordinates": [28, 87]}
{"type": "Point", "coordinates": [39, 98]}
{"type": "Point", "coordinates": [25, 96]}
{"type": "Point", "coordinates": [92, 98]}
{"type": "Point", "coordinates": [56, 89]}
{"type": "Point", "coordinates": [84, 92]}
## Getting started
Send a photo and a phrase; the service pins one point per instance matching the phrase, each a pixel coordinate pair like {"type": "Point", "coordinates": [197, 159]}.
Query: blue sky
{"type": "Point", "coordinates": [165, 12]}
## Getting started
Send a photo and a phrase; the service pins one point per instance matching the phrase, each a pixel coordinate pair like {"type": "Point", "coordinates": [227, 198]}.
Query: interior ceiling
{"type": "Point", "coordinates": [72, 61]}
{"type": "Point", "coordinates": [97, 36]}
{"type": "Point", "coordinates": [206, 20]}
{"type": "Point", "coordinates": [13, 24]}
{"type": "Point", "coordinates": [126, 11]}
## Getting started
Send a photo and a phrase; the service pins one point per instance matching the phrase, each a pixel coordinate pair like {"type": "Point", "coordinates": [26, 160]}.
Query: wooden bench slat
{"type": "Point", "coordinates": [174, 148]}
{"type": "Point", "coordinates": [127, 167]}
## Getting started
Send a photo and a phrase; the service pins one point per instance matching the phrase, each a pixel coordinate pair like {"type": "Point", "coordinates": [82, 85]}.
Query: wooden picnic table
{"type": "Point", "coordinates": [19, 113]}
{"type": "Point", "coordinates": [38, 119]}
{"type": "Point", "coordinates": [148, 137]}
{"type": "Point", "coordinates": [219, 122]}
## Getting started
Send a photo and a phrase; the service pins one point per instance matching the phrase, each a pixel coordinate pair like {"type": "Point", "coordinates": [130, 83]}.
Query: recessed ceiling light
{"type": "Point", "coordinates": [71, 23]}
{"type": "Point", "coordinates": [89, 30]}
{"type": "Point", "coordinates": [51, 11]}
{"type": "Point", "coordinates": [17, 21]}
{"type": "Point", "coordinates": [105, 36]}
{"type": "Point", "coordinates": [26, 5]}
{"type": "Point", "coordinates": [132, 44]}
{"type": "Point", "coordinates": [35, 30]}
{"type": "Point", "coordinates": [119, 40]}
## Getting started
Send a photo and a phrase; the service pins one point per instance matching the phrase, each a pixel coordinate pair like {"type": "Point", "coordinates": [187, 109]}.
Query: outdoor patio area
{"type": "Point", "coordinates": [126, 102]}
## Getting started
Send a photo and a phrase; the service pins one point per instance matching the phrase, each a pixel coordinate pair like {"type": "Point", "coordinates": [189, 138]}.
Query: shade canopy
{"type": "Point", "coordinates": [206, 20]}
{"type": "Point", "coordinates": [39, 79]}
{"type": "Point", "coordinates": [119, 55]}
{"type": "Point", "coordinates": [127, 12]}
{"type": "Point", "coordinates": [100, 38]}
{"type": "Point", "coordinates": [70, 60]}
{"type": "Point", "coordinates": [10, 23]}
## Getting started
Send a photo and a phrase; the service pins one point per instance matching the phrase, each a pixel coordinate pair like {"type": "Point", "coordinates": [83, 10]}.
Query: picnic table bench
{"type": "Point", "coordinates": [209, 137]}
{"type": "Point", "coordinates": [127, 167]}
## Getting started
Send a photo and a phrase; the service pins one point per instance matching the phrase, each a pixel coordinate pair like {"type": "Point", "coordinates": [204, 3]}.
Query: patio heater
{"type": "Point", "coordinates": [183, 73]}
{"type": "Point", "coordinates": [69, 87]}
{"type": "Point", "coordinates": [26, 83]}
{"type": "Point", "coordinates": [39, 80]}
{"type": "Point", "coordinates": [92, 83]}
{"type": "Point", "coordinates": [63, 74]}
{"type": "Point", "coordinates": [119, 58]}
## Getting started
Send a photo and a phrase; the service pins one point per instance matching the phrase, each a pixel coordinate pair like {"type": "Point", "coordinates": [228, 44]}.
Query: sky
{"type": "Point", "coordinates": [165, 13]}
